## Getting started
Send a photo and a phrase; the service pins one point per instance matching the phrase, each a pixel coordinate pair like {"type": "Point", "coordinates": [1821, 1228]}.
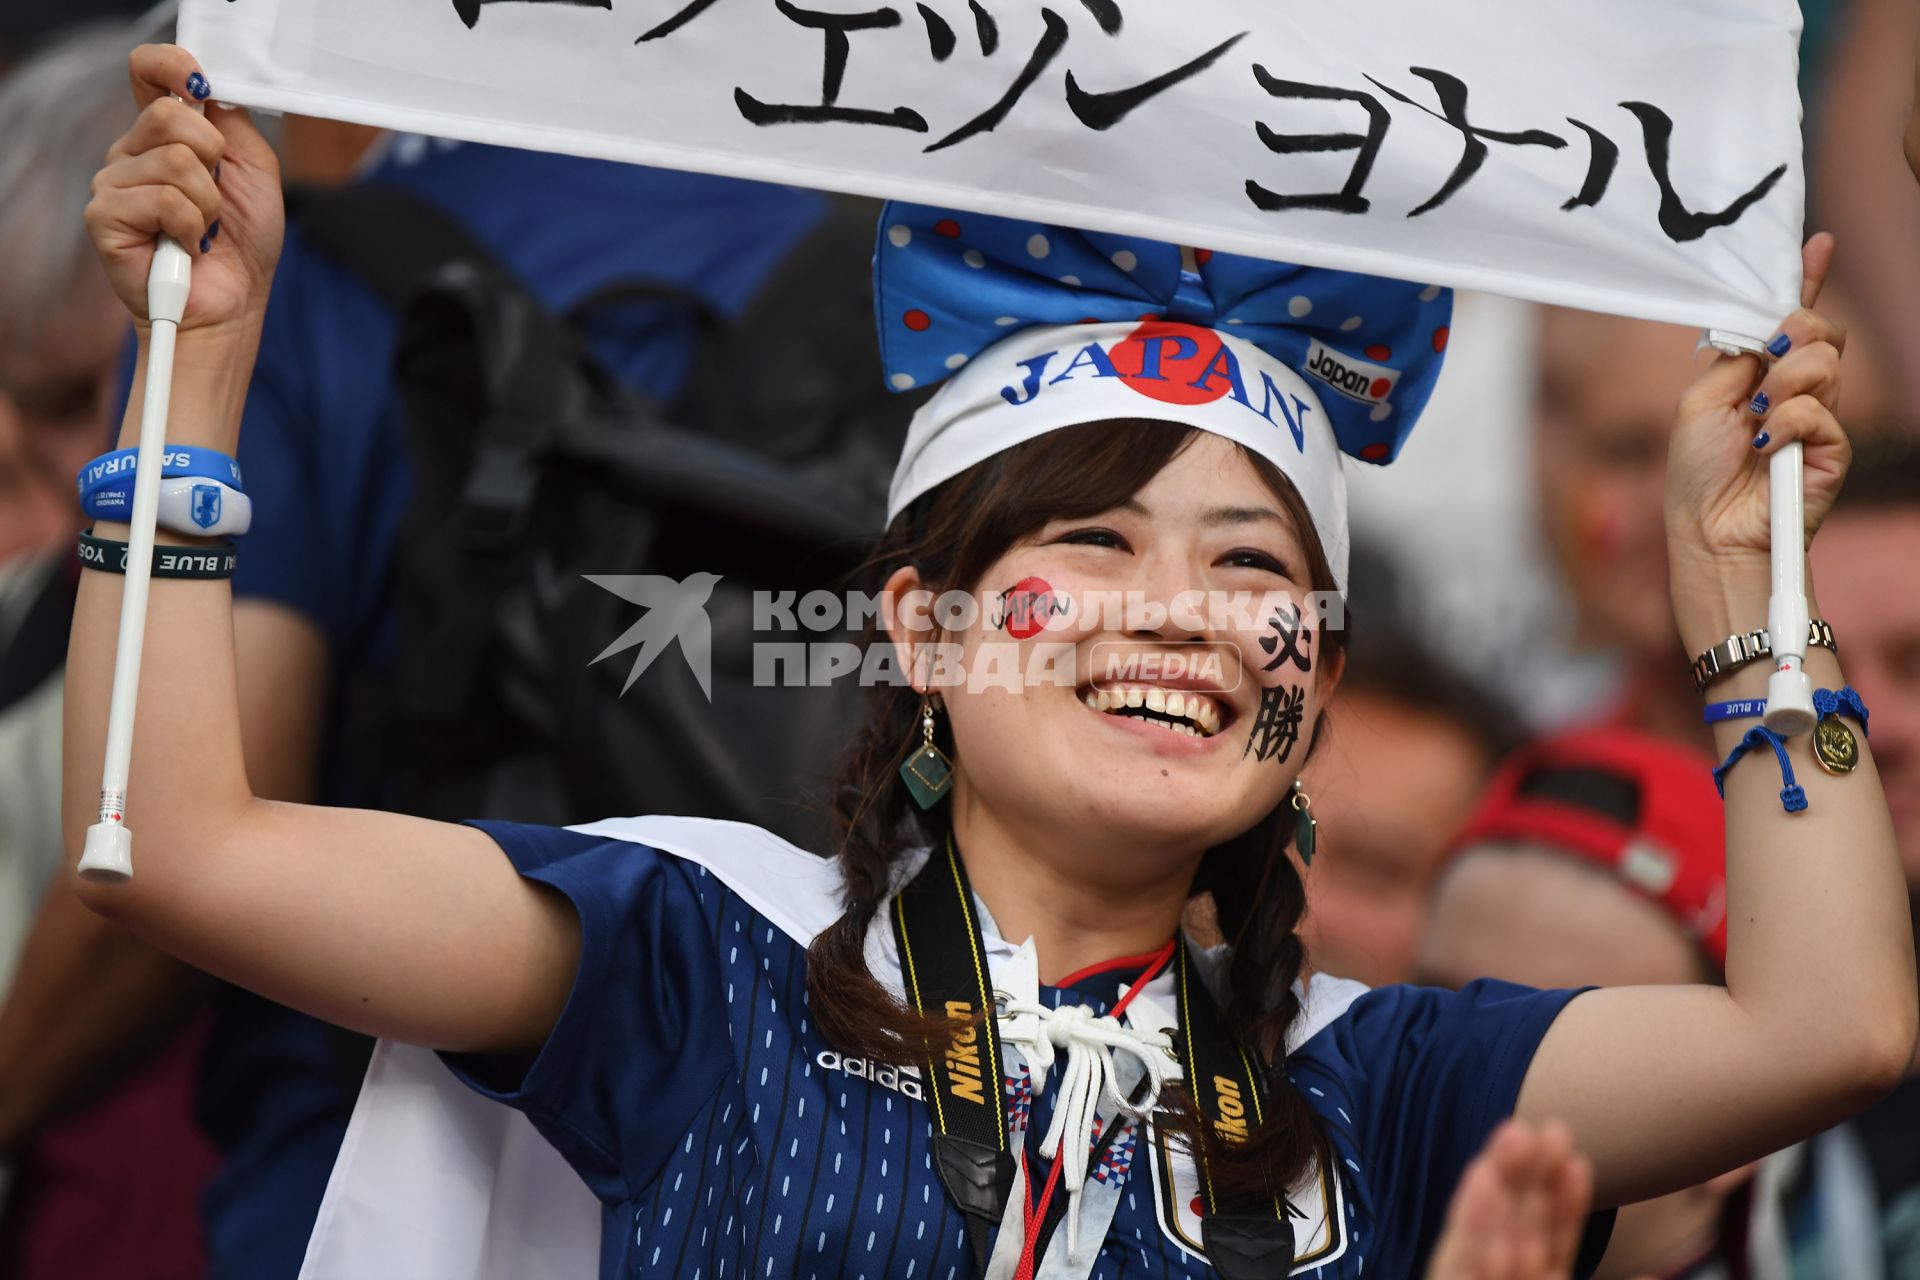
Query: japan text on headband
{"type": "Point", "coordinates": [1041, 327]}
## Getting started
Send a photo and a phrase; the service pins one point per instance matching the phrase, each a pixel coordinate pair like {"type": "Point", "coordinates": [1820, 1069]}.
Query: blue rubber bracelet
{"type": "Point", "coordinates": [1793, 797]}
{"type": "Point", "coordinates": [1745, 709]}
{"type": "Point", "coordinates": [1829, 702]}
{"type": "Point", "coordinates": [180, 460]}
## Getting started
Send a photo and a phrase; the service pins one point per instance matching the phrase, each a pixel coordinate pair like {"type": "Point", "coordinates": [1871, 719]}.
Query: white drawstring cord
{"type": "Point", "coordinates": [1088, 1077]}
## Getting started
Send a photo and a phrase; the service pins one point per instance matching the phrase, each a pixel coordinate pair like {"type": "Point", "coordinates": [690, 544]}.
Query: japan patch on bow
{"type": "Point", "coordinates": [949, 285]}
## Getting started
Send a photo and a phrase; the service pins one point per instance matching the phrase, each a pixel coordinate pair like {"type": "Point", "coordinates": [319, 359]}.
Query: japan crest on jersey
{"type": "Point", "coordinates": [1316, 1204]}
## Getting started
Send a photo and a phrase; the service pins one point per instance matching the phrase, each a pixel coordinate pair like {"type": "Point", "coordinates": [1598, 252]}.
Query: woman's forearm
{"type": "Point", "coordinates": [1820, 944]}
{"type": "Point", "coordinates": [386, 924]}
{"type": "Point", "coordinates": [189, 778]}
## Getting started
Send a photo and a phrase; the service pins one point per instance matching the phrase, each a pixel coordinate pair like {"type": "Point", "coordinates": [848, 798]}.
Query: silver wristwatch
{"type": "Point", "coordinates": [1737, 651]}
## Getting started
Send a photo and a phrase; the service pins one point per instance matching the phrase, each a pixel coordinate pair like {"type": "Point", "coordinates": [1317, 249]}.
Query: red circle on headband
{"type": "Point", "coordinates": [1164, 360]}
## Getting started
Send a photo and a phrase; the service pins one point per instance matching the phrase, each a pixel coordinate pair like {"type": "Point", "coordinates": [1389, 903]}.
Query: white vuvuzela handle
{"type": "Point", "coordinates": [1789, 691]}
{"type": "Point", "coordinates": [108, 854]}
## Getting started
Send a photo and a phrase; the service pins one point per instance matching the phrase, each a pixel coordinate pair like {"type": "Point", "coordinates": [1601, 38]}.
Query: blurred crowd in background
{"type": "Point", "coordinates": [1515, 784]}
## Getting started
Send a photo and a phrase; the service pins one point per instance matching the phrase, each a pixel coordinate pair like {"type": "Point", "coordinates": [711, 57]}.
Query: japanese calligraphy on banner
{"type": "Point", "coordinates": [1632, 156]}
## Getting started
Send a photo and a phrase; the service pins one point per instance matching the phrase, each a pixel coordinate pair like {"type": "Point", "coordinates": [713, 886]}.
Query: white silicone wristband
{"type": "Point", "coordinates": [204, 508]}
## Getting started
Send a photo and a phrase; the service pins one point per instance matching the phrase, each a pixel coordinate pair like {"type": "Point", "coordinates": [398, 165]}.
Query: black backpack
{"type": "Point", "coordinates": [535, 468]}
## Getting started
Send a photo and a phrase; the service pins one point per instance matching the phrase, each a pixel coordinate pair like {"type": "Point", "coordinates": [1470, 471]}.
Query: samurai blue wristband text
{"type": "Point", "coordinates": [1744, 709]}
{"type": "Point", "coordinates": [188, 504]}
{"type": "Point", "coordinates": [180, 460]}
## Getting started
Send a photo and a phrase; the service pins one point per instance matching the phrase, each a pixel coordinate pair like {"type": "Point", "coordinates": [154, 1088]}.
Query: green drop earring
{"type": "Point", "coordinates": [1306, 832]}
{"type": "Point", "coordinates": [926, 770]}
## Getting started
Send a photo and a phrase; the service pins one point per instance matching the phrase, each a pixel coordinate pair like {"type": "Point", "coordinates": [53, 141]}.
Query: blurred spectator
{"type": "Point", "coordinates": [1555, 592]}
{"type": "Point", "coordinates": [1858, 186]}
{"type": "Point", "coordinates": [1518, 1210]}
{"type": "Point", "coordinates": [1600, 459]}
{"type": "Point", "coordinates": [107, 1171]}
{"type": "Point", "coordinates": [1482, 591]}
{"type": "Point", "coordinates": [1913, 120]}
{"type": "Point", "coordinates": [1600, 469]}
{"type": "Point", "coordinates": [34, 515]}
{"type": "Point", "coordinates": [1410, 745]}
{"type": "Point", "coordinates": [1870, 543]}
{"type": "Point", "coordinates": [34, 594]}
{"type": "Point", "coordinates": [61, 329]}
{"type": "Point", "coordinates": [1598, 859]}
{"type": "Point", "coordinates": [28, 25]}
{"type": "Point", "coordinates": [1863, 575]}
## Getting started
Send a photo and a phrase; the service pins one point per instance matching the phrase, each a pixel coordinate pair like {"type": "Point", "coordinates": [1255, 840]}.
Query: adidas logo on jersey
{"type": "Point", "coordinates": [902, 1080]}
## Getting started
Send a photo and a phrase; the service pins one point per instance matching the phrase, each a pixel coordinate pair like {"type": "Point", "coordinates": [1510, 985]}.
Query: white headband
{"type": "Point", "coordinates": [1043, 379]}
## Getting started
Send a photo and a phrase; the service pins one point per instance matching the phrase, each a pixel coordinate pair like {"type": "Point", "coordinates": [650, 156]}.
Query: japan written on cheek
{"type": "Point", "coordinates": [886, 33]}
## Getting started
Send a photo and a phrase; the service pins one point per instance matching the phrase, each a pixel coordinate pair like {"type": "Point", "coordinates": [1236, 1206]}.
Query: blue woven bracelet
{"type": "Point", "coordinates": [1828, 702]}
{"type": "Point", "coordinates": [1745, 709]}
{"type": "Point", "coordinates": [1793, 797]}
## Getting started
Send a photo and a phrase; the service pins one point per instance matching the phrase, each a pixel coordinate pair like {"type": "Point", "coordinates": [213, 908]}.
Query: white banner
{"type": "Point", "coordinates": [1632, 156]}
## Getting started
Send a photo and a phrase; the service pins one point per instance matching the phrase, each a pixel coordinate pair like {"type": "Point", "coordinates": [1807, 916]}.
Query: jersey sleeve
{"type": "Point", "coordinates": [643, 1040]}
{"type": "Point", "coordinates": [1434, 1073]}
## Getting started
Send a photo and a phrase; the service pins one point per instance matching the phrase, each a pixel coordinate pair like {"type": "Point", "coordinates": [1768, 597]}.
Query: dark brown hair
{"type": "Point", "coordinates": [952, 536]}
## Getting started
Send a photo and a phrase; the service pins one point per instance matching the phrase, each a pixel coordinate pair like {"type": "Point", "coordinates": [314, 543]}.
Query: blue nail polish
{"type": "Point", "coordinates": [1758, 407]}
{"type": "Point", "coordinates": [206, 243]}
{"type": "Point", "coordinates": [1780, 346]}
{"type": "Point", "coordinates": [197, 86]}
{"type": "Point", "coordinates": [1762, 440]}
{"type": "Point", "coordinates": [216, 171]}
{"type": "Point", "coordinates": [214, 230]}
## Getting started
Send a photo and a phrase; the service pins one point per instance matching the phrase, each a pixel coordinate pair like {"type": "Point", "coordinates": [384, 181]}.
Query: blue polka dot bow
{"type": "Point", "coordinates": [948, 285]}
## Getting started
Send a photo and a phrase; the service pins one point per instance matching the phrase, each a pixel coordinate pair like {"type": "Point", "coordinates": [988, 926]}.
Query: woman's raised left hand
{"type": "Point", "coordinates": [1732, 419]}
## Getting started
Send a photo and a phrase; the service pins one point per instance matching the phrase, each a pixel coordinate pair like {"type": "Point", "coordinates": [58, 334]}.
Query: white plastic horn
{"type": "Point", "coordinates": [108, 854]}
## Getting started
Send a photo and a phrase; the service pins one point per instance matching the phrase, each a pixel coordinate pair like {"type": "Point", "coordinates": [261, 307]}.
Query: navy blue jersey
{"type": "Point", "coordinates": [722, 1136]}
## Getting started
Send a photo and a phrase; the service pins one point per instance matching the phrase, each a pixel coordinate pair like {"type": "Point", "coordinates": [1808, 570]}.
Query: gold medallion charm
{"type": "Point", "coordinates": [1834, 745]}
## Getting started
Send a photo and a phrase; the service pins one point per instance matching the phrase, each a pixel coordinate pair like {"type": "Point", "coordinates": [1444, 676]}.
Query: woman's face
{"type": "Point", "coordinates": [1147, 678]}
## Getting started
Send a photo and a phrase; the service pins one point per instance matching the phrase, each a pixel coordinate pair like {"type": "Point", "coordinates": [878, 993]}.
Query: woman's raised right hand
{"type": "Point", "coordinates": [210, 181]}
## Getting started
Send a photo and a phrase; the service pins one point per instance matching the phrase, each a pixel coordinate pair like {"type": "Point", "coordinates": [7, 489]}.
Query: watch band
{"type": "Point", "coordinates": [1737, 651]}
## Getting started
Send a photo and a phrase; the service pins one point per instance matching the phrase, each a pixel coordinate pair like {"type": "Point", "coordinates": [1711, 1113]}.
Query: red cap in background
{"type": "Point", "coordinates": [1641, 808]}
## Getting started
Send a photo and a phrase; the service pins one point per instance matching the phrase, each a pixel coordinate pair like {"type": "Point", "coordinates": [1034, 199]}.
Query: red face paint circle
{"type": "Point", "coordinates": [1163, 359]}
{"type": "Point", "coordinates": [1029, 605]}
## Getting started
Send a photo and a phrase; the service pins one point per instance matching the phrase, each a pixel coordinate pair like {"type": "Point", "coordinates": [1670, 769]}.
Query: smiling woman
{"type": "Point", "coordinates": [980, 1022]}
{"type": "Point", "coordinates": [1094, 510]}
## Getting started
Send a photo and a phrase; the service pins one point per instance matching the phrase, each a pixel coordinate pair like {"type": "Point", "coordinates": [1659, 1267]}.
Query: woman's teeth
{"type": "Point", "coordinates": [1193, 714]}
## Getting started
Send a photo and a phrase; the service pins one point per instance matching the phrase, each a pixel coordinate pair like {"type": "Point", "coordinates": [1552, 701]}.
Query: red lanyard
{"type": "Point", "coordinates": [1036, 1216]}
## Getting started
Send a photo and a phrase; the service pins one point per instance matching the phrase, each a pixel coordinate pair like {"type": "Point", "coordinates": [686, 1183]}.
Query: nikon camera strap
{"type": "Point", "coordinates": [944, 968]}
